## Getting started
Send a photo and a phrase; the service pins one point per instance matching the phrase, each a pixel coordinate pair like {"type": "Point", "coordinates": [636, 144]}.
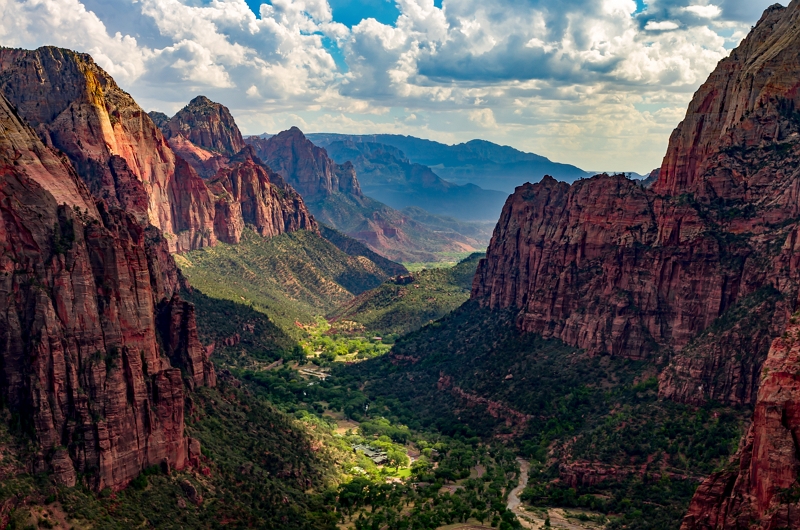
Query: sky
{"type": "Point", "coordinates": [596, 83]}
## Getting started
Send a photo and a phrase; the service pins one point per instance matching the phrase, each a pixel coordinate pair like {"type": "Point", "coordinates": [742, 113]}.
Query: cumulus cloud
{"type": "Point", "coordinates": [709, 11]}
{"type": "Point", "coordinates": [483, 118]}
{"type": "Point", "coordinates": [661, 25]}
{"type": "Point", "coordinates": [591, 82]}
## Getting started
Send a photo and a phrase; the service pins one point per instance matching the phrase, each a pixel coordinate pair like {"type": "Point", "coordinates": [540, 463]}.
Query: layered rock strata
{"type": "Point", "coordinates": [615, 268]}
{"type": "Point", "coordinates": [247, 191]}
{"type": "Point", "coordinates": [123, 156]}
{"type": "Point", "coordinates": [77, 108]}
{"type": "Point", "coordinates": [206, 124]}
{"type": "Point", "coordinates": [762, 491]}
{"type": "Point", "coordinates": [305, 166]}
{"type": "Point", "coordinates": [80, 357]}
{"type": "Point", "coordinates": [700, 270]}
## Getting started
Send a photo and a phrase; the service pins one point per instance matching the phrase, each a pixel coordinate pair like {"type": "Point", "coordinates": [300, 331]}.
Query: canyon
{"type": "Point", "coordinates": [100, 353]}
{"type": "Point", "coordinates": [124, 158]}
{"type": "Point", "coordinates": [697, 271]}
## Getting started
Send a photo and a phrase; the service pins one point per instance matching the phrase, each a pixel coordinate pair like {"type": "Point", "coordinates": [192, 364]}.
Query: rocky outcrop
{"type": "Point", "coordinates": [748, 102]}
{"type": "Point", "coordinates": [80, 357]}
{"type": "Point", "coordinates": [207, 125]}
{"type": "Point", "coordinates": [204, 162]}
{"type": "Point", "coordinates": [125, 160]}
{"type": "Point", "coordinates": [115, 147]}
{"type": "Point", "coordinates": [178, 329]}
{"type": "Point", "coordinates": [305, 166]}
{"type": "Point", "coordinates": [699, 268]}
{"type": "Point", "coordinates": [764, 491]}
{"type": "Point", "coordinates": [603, 265]}
{"type": "Point", "coordinates": [246, 190]}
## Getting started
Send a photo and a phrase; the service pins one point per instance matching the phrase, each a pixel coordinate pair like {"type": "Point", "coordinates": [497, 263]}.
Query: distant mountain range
{"type": "Point", "coordinates": [478, 162]}
{"type": "Point", "coordinates": [386, 174]}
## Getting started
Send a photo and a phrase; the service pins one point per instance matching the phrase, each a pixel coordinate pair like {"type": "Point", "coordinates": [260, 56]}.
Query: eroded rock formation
{"type": "Point", "coordinates": [246, 190]}
{"type": "Point", "coordinates": [124, 158]}
{"type": "Point", "coordinates": [115, 147]}
{"type": "Point", "coordinates": [610, 266]}
{"type": "Point", "coordinates": [305, 166]}
{"type": "Point", "coordinates": [763, 490]}
{"type": "Point", "coordinates": [207, 125]}
{"type": "Point", "coordinates": [80, 356]}
{"type": "Point", "coordinates": [701, 269]}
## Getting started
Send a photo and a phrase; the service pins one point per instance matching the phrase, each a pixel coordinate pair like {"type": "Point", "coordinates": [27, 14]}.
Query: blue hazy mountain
{"type": "Point", "coordinates": [485, 164]}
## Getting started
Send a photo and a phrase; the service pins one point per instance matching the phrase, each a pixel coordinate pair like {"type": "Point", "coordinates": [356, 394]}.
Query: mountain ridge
{"type": "Point", "coordinates": [480, 162]}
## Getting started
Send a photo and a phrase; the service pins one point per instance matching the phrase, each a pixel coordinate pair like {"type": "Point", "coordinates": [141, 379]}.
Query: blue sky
{"type": "Point", "coordinates": [351, 13]}
{"type": "Point", "coordinates": [597, 83]}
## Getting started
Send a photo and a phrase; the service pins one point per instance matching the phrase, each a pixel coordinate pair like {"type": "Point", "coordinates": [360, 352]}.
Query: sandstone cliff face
{"type": "Point", "coordinates": [606, 266]}
{"type": "Point", "coordinates": [206, 163]}
{"type": "Point", "coordinates": [245, 190]}
{"type": "Point", "coordinates": [699, 267]}
{"type": "Point", "coordinates": [80, 358]}
{"type": "Point", "coordinates": [206, 124]}
{"type": "Point", "coordinates": [764, 491]}
{"type": "Point", "coordinates": [749, 101]}
{"type": "Point", "coordinates": [116, 148]}
{"type": "Point", "coordinates": [305, 166]}
{"type": "Point", "coordinates": [124, 158]}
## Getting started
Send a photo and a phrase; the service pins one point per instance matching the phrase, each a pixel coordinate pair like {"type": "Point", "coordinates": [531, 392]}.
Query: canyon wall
{"type": "Point", "coordinates": [698, 270]}
{"type": "Point", "coordinates": [122, 155]}
{"type": "Point", "coordinates": [206, 124]}
{"type": "Point", "coordinates": [662, 272]}
{"type": "Point", "coordinates": [305, 166]}
{"type": "Point", "coordinates": [761, 489]}
{"type": "Point", "coordinates": [80, 358]}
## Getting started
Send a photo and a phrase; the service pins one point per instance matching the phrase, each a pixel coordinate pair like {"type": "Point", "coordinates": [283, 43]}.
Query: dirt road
{"type": "Point", "coordinates": [513, 497]}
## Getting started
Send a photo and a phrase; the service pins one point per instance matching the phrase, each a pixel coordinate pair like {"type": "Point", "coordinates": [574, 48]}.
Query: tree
{"type": "Point", "coordinates": [397, 458]}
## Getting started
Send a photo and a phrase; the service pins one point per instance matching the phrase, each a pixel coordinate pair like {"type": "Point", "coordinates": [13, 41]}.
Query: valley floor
{"type": "Point", "coordinates": [378, 418]}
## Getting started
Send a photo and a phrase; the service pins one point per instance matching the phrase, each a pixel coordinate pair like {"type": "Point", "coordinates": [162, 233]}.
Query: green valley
{"type": "Point", "coordinates": [406, 303]}
{"type": "Point", "coordinates": [291, 277]}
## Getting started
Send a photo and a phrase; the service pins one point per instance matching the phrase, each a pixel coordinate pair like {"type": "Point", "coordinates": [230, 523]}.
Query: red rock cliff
{"type": "Point", "coordinates": [305, 166]}
{"type": "Point", "coordinates": [246, 188]}
{"type": "Point", "coordinates": [749, 101]}
{"type": "Point", "coordinates": [80, 358]}
{"type": "Point", "coordinates": [116, 148]}
{"type": "Point", "coordinates": [762, 490]}
{"type": "Point", "coordinates": [206, 124]}
{"type": "Point", "coordinates": [700, 268]}
{"type": "Point", "coordinates": [124, 158]}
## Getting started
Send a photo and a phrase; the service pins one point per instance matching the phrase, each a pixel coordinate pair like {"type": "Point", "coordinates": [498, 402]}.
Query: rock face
{"type": "Point", "coordinates": [749, 101]}
{"type": "Point", "coordinates": [124, 158]}
{"type": "Point", "coordinates": [764, 491]}
{"type": "Point", "coordinates": [245, 189]}
{"type": "Point", "coordinates": [699, 267]}
{"type": "Point", "coordinates": [206, 124]}
{"type": "Point", "coordinates": [80, 356]}
{"type": "Point", "coordinates": [305, 166]}
{"type": "Point", "coordinates": [178, 328]}
{"type": "Point", "coordinates": [115, 147]}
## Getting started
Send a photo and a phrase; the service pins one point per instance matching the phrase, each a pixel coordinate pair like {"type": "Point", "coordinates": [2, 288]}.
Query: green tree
{"type": "Point", "coordinates": [397, 458]}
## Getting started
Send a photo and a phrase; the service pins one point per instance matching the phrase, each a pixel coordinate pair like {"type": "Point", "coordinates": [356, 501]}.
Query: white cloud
{"type": "Point", "coordinates": [483, 118]}
{"type": "Point", "coordinates": [709, 11]}
{"type": "Point", "coordinates": [67, 23]}
{"type": "Point", "coordinates": [664, 25]}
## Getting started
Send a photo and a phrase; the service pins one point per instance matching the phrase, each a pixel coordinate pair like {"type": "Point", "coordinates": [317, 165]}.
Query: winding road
{"type": "Point", "coordinates": [513, 496]}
